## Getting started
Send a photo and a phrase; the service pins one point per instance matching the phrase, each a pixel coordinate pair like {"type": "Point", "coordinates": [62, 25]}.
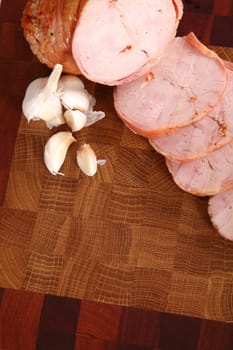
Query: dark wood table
{"type": "Point", "coordinates": [45, 321]}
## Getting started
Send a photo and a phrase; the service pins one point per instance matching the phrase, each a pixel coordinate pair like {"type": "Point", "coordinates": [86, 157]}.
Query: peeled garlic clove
{"type": "Point", "coordinates": [56, 149]}
{"type": "Point", "coordinates": [87, 160]}
{"type": "Point", "coordinates": [42, 99]}
{"type": "Point", "coordinates": [75, 119]}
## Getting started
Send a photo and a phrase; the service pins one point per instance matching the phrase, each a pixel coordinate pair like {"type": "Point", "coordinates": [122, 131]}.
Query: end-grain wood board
{"type": "Point", "coordinates": [126, 236]}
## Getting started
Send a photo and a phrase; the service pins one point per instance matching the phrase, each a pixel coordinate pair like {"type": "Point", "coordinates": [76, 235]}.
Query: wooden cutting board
{"type": "Point", "coordinates": [126, 236]}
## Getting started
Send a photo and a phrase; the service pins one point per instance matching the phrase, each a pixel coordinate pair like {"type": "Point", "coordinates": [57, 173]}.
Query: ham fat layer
{"type": "Point", "coordinates": [220, 209]}
{"type": "Point", "coordinates": [117, 41]}
{"type": "Point", "coordinates": [186, 84]}
{"type": "Point", "coordinates": [208, 134]}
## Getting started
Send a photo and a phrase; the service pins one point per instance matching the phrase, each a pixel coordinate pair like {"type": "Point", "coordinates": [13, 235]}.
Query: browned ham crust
{"type": "Point", "coordinates": [48, 27]}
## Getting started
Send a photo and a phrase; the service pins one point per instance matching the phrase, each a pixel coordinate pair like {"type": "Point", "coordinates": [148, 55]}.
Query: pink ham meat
{"type": "Point", "coordinates": [220, 209]}
{"type": "Point", "coordinates": [197, 139]}
{"type": "Point", "coordinates": [117, 41]}
{"type": "Point", "coordinates": [186, 84]}
{"type": "Point", "coordinates": [205, 176]}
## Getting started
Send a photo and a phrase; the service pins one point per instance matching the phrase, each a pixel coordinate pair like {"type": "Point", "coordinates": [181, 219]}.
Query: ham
{"type": "Point", "coordinates": [118, 41]}
{"type": "Point", "coordinates": [182, 88]}
{"type": "Point", "coordinates": [220, 209]}
{"type": "Point", "coordinates": [199, 138]}
{"type": "Point", "coordinates": [48, 27]}
{"type": "Point", "coordinates": [110, 41]}
{"type": "Point", "coordinates": [206, 176]}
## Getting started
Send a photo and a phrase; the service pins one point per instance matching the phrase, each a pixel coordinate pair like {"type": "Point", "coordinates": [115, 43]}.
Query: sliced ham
{"type": "Point", "coordinates": [205, 176]}
{"type": "Point", "coordinates": [199, 138]}
{"type": "Point", "coordinates": [112, 41]}
{"type": "Point", "coordinates": [117, 41]}
{"type": "Point", "coordinates": [182, 88]}
{"type": "Point", "coordinates": [221, 213]}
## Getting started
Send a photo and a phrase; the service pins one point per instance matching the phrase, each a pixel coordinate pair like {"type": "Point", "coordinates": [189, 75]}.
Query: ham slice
{"type": "Point", "coordinates": [117, 41]}
{"type": "Point", "coordinates": [205, 176]}
{"type": "Point", "coordinates": [220, 209]}
{"type": "Point", "coordinates": [199, 138]}
{"type": "Point", "coordinates": [182, 88]}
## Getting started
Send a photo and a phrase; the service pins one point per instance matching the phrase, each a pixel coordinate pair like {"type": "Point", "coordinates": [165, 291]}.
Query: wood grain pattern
{"type": "Point", "coordinates": [223, 8]}
{"type": "Point", "coordinates": [37, 321]}
{"type": "Point", "coordinates": [17, 311]}
{"type": "Point", "coordinates": [57, 325]}
{"type": "Point", "coordinates": [128, 236]}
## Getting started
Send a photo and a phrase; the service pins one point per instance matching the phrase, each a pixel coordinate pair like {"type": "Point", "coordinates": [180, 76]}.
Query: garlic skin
{"type": "Point", "coordinates": [56, 149]}
{"type": "Point", "coordinates": [101, 162]}
{"type": "Point", "coordinates": [87, 160]}
{"type": "Point", "coordinates": [42, 99]}
{"type": "Point", "coordinates": [93, 116]}
{"type": "Point", "coordinates": [75, 119]}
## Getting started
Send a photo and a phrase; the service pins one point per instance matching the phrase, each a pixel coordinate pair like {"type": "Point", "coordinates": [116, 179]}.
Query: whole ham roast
{"type": "Point", "coordinates": [109, 41]}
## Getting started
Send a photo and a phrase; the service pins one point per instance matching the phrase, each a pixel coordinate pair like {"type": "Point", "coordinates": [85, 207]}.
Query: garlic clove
{"type": "Point", "coordinates": [73, 93]}
{"type": "Point", "coordinates": [56, 149]}
{"type": "Point", "coordinates": [75, 99]}
{"type": "Point", "coordinates": [75, 119]}
{"type": "Point", "coordinates": [74, 96]}
{"type": "Point", "coordinates": [70, 82]}
{"type": "Point", "coordinates": [42, 99]}
{"type": "Point", "coordinates": [30, 108]}
{"type": "Point", "coordinates": [87, 160]}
